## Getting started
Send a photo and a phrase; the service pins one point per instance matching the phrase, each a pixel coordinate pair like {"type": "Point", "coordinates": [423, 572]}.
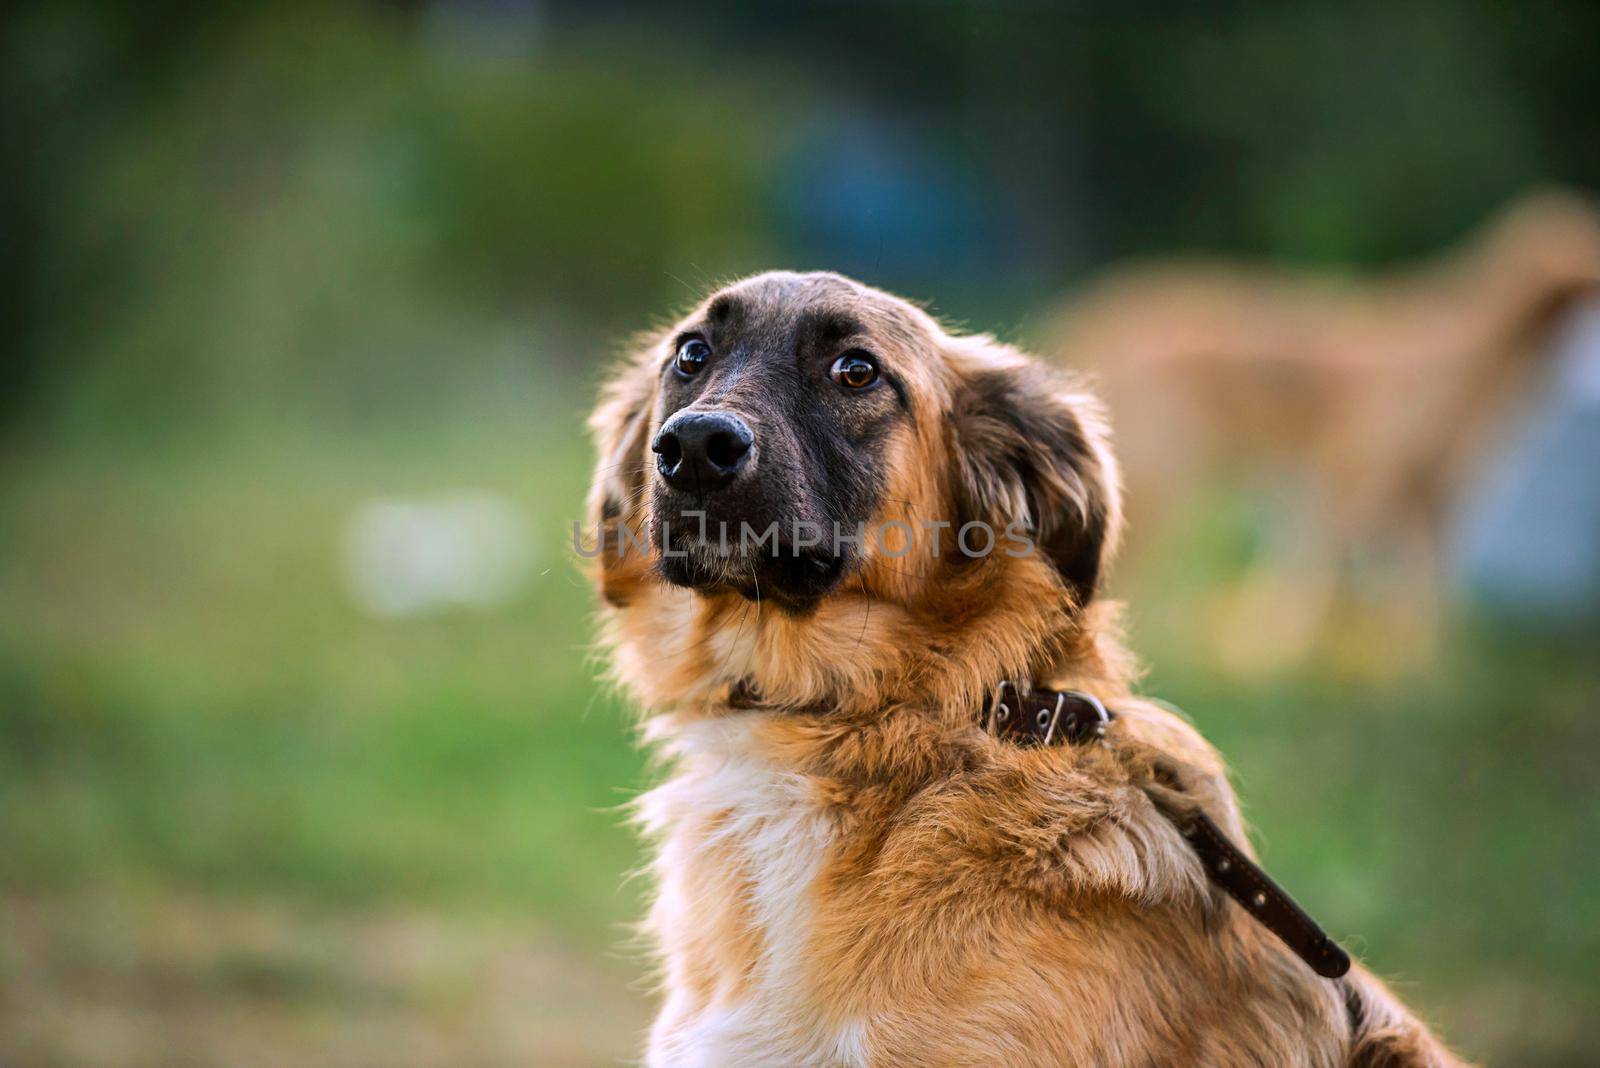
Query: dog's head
{"type": "Point", "coordinates": [801, 439]}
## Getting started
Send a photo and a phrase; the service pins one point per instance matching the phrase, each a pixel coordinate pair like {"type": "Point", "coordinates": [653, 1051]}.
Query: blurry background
{"type": "Point", "coordinates": [302, 756]}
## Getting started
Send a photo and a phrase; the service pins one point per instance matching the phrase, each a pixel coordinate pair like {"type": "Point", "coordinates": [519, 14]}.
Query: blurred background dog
{"type": "Point", "coordinates": [1357, 409]}
{"type": "Point", "coordinates": [301, 756]}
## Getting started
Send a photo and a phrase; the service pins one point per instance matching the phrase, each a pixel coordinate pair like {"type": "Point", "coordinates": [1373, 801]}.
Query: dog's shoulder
{"type": "Point", "coordinates": [920, 803]}
{"type": "Point", "coordinates": [1158, 741]}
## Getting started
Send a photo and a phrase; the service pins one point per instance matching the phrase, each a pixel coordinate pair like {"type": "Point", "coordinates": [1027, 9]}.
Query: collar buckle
{"type": "Point", "coordinates": [1044, 716]}
{"type": "Point", "coordinates": [1095, 729]}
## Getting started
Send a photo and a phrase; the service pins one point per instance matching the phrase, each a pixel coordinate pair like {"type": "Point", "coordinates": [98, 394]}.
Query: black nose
{"type": "Point", "coordinates": [700, 452]}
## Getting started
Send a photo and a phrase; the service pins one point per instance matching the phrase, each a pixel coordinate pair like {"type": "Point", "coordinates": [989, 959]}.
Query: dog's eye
{"type": "Point", "coordinates": [692, 355]}
{"type": "Point", "coordinates": [856, 370]}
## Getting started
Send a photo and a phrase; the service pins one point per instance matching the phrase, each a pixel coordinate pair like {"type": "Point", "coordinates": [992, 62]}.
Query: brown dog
{"type": "Point", "coordinates": [851, 869]}
{"type": "Point", "coordinates": [1358, 407]}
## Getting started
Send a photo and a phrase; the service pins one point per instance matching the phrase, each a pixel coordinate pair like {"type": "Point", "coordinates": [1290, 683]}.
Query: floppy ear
{"type": "Point", "coordinates": [1031, 451]}
{"type": "Point", "coordinates": [620, 425]}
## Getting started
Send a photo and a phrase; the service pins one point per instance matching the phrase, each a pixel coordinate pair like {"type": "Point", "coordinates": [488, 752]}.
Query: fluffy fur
{"type": "Point", "coordinates": [852, 873]}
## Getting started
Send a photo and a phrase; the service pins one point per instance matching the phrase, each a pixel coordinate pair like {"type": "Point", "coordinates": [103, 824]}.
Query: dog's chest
{"type": "Point", "coordinates": [742, 846]}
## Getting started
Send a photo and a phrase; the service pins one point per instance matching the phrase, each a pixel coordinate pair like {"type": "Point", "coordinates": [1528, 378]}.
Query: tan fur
{"type": "Point", "coordinates": [855, 874]}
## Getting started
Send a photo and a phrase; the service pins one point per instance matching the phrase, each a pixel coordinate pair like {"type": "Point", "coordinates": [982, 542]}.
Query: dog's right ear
{"type": "Point", "coordinates": [620, 425]}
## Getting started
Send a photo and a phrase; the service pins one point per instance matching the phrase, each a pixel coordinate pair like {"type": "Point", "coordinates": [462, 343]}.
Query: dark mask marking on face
{"type": "Point", "coordinates": [818, 454]}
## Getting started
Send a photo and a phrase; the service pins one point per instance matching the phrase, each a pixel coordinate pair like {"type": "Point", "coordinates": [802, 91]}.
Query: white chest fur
{"type": "Point", "coordinates": [729, 808]}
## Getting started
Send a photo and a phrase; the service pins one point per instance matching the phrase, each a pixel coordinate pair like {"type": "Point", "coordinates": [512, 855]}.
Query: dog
{"type": "Point", "coordinates": [1359, 407]}
{"type": "Point", "coordinates": [852, 866]}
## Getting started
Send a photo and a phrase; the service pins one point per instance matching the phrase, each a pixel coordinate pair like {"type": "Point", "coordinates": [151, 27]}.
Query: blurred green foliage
{"type": "Point", "coordinates": [318, 209]}
{"type": "Point", "coordinates": [267, 263]}
{"type": "Point", "coordinates": [294, 204]}
{"type": "Point", "coordinates": [186, 692]}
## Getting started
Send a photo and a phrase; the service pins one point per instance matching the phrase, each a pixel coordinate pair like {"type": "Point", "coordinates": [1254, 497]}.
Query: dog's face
{"type": "Point", "coordinates": [775, 407]}
{"type": "Point", "coordinates": [800, 438]}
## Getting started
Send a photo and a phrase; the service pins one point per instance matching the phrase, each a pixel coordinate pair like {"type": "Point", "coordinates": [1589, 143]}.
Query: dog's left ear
{"type": "Point", "coordinates": [1032, 453]}
{"type": "Point", "coordinates": [620, 425]}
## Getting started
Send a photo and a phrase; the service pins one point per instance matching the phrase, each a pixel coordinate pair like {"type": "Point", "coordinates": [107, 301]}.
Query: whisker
{"type": "Point", "coordinates": [865, 616]}
{"type": "Point", "coordinates": [723, 667]}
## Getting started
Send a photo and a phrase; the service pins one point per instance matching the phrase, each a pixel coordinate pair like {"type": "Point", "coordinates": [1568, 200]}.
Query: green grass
{"type": "Point", "coordinates": [187, 695]}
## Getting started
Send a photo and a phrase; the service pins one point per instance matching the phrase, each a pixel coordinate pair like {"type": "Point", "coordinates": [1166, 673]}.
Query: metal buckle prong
{"type": "Point", "coordinates": [1055, 717]}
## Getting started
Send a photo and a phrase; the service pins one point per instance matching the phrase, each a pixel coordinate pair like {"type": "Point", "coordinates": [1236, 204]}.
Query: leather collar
{"type": "Point", "coordinates": [1044, 717]}
{"type": "Point", "coordinates": [1038, 716]}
